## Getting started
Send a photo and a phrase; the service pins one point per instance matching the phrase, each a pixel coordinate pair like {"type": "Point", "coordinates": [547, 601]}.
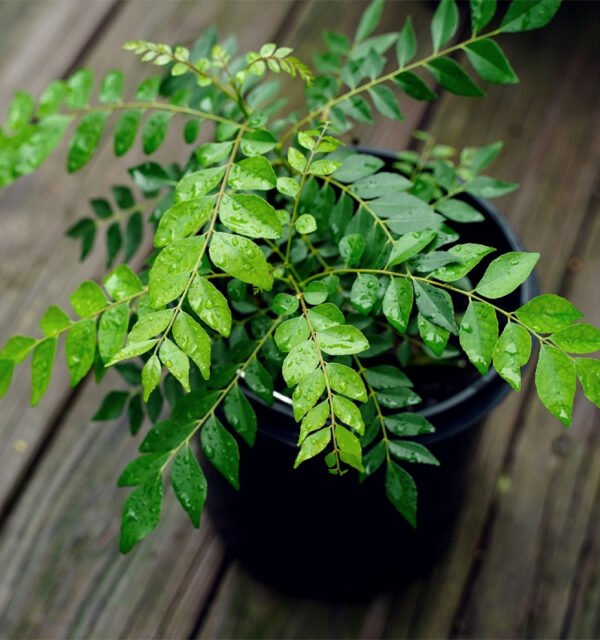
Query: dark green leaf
{"type": "Point", "coordinates": [486, 187]}
{"type": "Point", "coordinates": [85, 229]}
{"type": "Point", "coordinates": [407, 43]}
{"type": "Point", "coordinates": [240, 415]}
{"type": "Point", "coordinates": [525, 15]}
{"type": "Point", "coordinates": [112, 406]}
{"type": "Point", "coordinates": [251, 216]}
{"type": "Point", "coordinates": [402, 492]}
{"type": "Point", "coordinates": [114, 241]}
{"type": "Point", "coordinates": [412, 452]}
{"type": "Point", "coordinates": [221, 449]}
{"type": "Point", "coordinates": [259, 380]}
{"type": "Point", "coordinates": [482, 11]}
{"type": "Point", "coordinates": [386, 376]}
{"type": "Point", "coordinates": [409, 245]}
{"type": "Point", "coordinates": [385, 102]}
{"type": "Point", "coordinates": [369, 20]}
{"type": "Point", "coordinates": [459, 211]}
{"type": "Point", "coordinates": [433, 336]}
{"type": "Point", "coordinates": [435, 305]}
{"type": "Point", "coordinates": [142, 469]}
{"type": "Point", "coordinates": [490, 63]}
{"type": "Point", "coordinates": [252, 173]}
{"type": "Point", "coordinates": [397, 303]}
{"type": "Point", "coordinates": [85, 140]}
{"type": "Point", "coordinates": [453, 77]}
{"type": "Point", "coordinates": [365, 292]}
{"type": "Point", "coordinates": [198, 184]}
{"type": "Point", "coordinates": [155, 130]}
{"type": "Point", "coordinates": [6, 372]}
{"type": "Point", "coordinates": [413, 86]}
{"type": "Point", "coordinates": [408, 425]}
{"type": "Point", "coordinates": [358, 166]}
{"type": "Point", "coordinates": [189, 484]}
{"type": "Point", "coordinates": [126, 130]}
{"type": "Point", "coordinates": [141, 513]}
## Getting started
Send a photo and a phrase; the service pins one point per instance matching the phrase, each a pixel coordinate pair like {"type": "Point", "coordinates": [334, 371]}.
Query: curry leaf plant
{"type": "Point", "coordinates": [286, 262]}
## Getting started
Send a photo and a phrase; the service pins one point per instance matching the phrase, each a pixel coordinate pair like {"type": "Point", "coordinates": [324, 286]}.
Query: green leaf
{"type": "Point", "coordinates": [155, 130]}
{"type": "Point", "coordinates": [173, 268]}
{"type": "Point", "coordinates": [151, 374]}
{"type": "Point", "coordinates": [555, 382]}
{"type": "Point", "coordinates": [444, 23]}
{"type": "Point", "coordinates": [346, 381]}
{"type": "Point", "coordinates": [459, 211]}
{"type": "Point", "coordinates": [412, 452]}
{"type": "Point", "coordinates": [548, 313]}
{"type": "Point", "coordinates": [6, 372]}
{"type": "Point", "coordinates": [374, 458]}
{"type": "Point", "coordinates": [193, 341]}
{"type": "Point", "coordinates": [79, 89]}
{"type": "Point", "coordinates": [469, 255]}
{"type": "Point", "coordinates": [17, 348]}
{"type": "Point", "coordinates": [588, 372]}
{"type": "Point", "coordinates": [198, 184]}
{"type": "Point", "coordinates": [348, 413]}
{"type": "Point", "coordinates": [397, 303]}
{"type": "Point", "coordinates": [54, 321]}
{"type": "Point", "coordinates": [323, 167]}
{"type": "Point", "coordinates": [88, 300]}
{"type": "Point", "coordinates": [365, 292]}
{"type": "Point", "coordinates": [380, 184]}
{"type": "Point", "coordinates": [342, 340]}
{"type": "Point", "coordinates": [257, 143]}
{"type": "Point", "coordinates": [402, 492]}
{"type": "Point", "coordinates": [85, 230]}
{"type": "Point", "coordinates": [490, 63]}
{"type": "Point", "coordinates": [126, 130]}
{"type": "Point", "coordinates": [252, 173]}
{"type": "Point", "coordinates": [525, 15]}
{"type": "Point", "coordinates": [358, 166]}
{"type": "Point", "coordinates": [210, 305]}
{"type": "Point", "coordinates": [20, 111]}
{"type": "Point", "coordinates": [369, 20]}
{"type": "Point", "coordinates": [406, 46]}
{"type": "Point", "coordinates": [387, 376]}
{"type": "Point", "coordinates": [141, 513]}
{"type": "Point", "coordinates": [85, 140]}
{"type": "Point", "coordinates": [398, 398]}
{"type": "Point", "coordinates": [314, 420]}
{"type": "Point", "coordinates": [506, 273]}
{"type": "Point", "coordinates": [307, 393]}
{"type": "Point", "coordinates": [112, 329]}
{"type": "Point", "coordinates": [182, 220]}
{"type": "Point", "coordinates": [512, 352]}
{"type": "Point", "coordinates": [259, 380]}
{"type": "Point", "coordinates": [413, 86]}
{"type": "Point", "coordinates": [316, 292]}
{"type": "Point", "coordinates": [351, 249]}
{"type": "Point", "coordinates": [122, 283]}
{"type": "Point", "coordinates": [287, 186]}
{"type": "Point", "coordinates": [433, 336]}
{"type": "Point", "coordinates": [150, 325]}
{"type": "Point", "coordinates": [133, 350]}
{"type": "Point", "coordinates": [142, 469]}
{"type": "Point", "coordinates": [167, 435]}
{"type": "Point", "coordinates": [435, 305]}
{"type": "Point", "coordinates": [81, 349]}
{"type": "Point", "coordinates": [41, 368]}
{"type": "Point", "coordinates": [306, 224]}
{"type": "Point", "coordinates": [349, 448]}
{"type": "Point", "coordinates": [149, 177]}
{"type": "Point", "coordinates": [486, 187]}
{"type": "Point", "coordinates": [251, 216]}
{"type": "Point", "coordinates": [482, 11]}
{"type": "Point", "coordinates": [111, 89]}
{"type": "Point", "coordinates": [325, 316]}
{"type": "Point", "coordinates": [296, 159]}
{"type": "Point", "coordinates": [114, 241]}
{"type": "Point", "coordinates": [453, 77]}
{"type": "Point", "coordinates": [408, 425]}
{"type": "Point", "coordinates": [242, 259]}
{"type": "Point", "coordinates": [385, 102]}
{"type": "Point", "coordinates": [290, 333]}
{"type": "Point", "coordinates": [51, 98]}
{"type": "Point", "coordinates": [221, 449]}
{"type": "Point", "coordinates": [112, 406]}
{"type": "Point", "coordinates": [312, 445]}
{"type": "Point", "coordinates": [176, 362]}
{"type": "Point", "coordinates": [241, 415]}
{"type": "Point", "coordinates": [579, 338]}
{"type": "Point", "coordinates": [285, 304]}
{"type": "Point", "coordinates": [478, 334]}
{"type": "Point", "coordinates": [302, 359]}
{"type": "Point", "coordinates": [213, 152]}
{"type": "Point", "coordinates": [189, 483]}
{"type": "Point", "coordinates": [409, 245]}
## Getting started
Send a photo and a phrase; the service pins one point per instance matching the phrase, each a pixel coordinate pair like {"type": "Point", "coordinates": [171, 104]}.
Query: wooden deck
{"type": "Point", "coordinates": [525, 561]}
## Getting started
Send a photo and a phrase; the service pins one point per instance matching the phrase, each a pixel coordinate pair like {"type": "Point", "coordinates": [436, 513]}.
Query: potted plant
{"type": "Point", "coordinates": [339, 308]}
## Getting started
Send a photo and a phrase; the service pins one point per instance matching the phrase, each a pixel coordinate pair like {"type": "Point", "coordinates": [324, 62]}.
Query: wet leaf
{"type": "Point", "coordinates": [402, 492]}
{"type": "Point", "coordinates": [189, 483]}
{"type": "Point", "coordinates": [511, 352]}
{"type": "Point", "coordinates": [221, 450]}
{"type": "Point", "coordinates": [80, 347]}
{"type": "Point", "coordinates": [42, 363]}
{"type": "Point", "coordinates": [141, 513]}
{"type": "Point", "coordinates": [242, 259]}
{"type": "Point", "coordinates": [241, 415]}
{"type": "Point", "coordinates": [548, 313]}
{"type": "Point", "coordinates": [555, 382]}
{"type": "Point", "coordinates": [210, 305]}
{"type": "Point", "coordinates": [478, 334]}
{"type": "Point", "coordinates": [506, 273]}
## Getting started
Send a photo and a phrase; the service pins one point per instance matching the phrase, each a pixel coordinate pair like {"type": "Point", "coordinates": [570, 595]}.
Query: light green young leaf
{"type": "Point", "coordinates": [287, 186]}
{"type": "Point", "coordinates": [512, 352]}
{"type": "Point", "coordinates": [409, 245]}
{"type": "Point", "coordinates": [525, 15]}
{"type": "Point", "coordinates": [349, 448]}
{"type": "Point", "coordinates": [176, 362]}
{"type": "Point", "coordinates": [402, 492]}
{"type": "Point", "coordinates": [433, 336]}
{"type": "Point", "coordinates": [412, 452]}
{"type": "Point", "coordinates": [346, 381]}
{"type": "Point", "coordinates": [364, 293]}
{"type": "Point", "coordinates": [198, 184]}
{"type": "Point", "coordinates": [210, 305]}
{"type": "Point", "coordinates": [141, 513]}
{"type": "Point", "coordinates": [435, 305]}
{"type": "Point", "coordinates": [112, 329]}
{"type": "Point", "coordinates": [548, 313]}
{"type": "Point", "coordinates": [307, 393]}
{"type": "Point", "coordinates": [299, 362]}
{"type": "Point", "coordinates": [342, 340]}
{"type": "Point", "coordinates": [490, 62]}
{"type": "Point", "coordinates": [81, 349]}
{"type": "Point", "coordinates": [79, 89]}
{"type": "Point", "coordinates": [111, 89]}
{"type": "Point", "coordinates": [151, 374]}
{"type": "Point", "coordinates": [348, 413]}
{"type": "Point", "coordinates": [453, 77]}
{"type": "Point", "coordinates": [221, 449]}
{"type": "Point", "coordinates": [444, 23]}
{"type": "Point", "coordinates": [588, 372]}
{"type": "Point", "coordinates": [397, 303]}
{"type": "Point", "coordinates": [296, 159]}
{"type": "Point", "coordinates": [312, 445]}
{"type": "Point", "coordinates": [17, 348]}
{"type": "Point", "coordinates": [555, 382]}
{"type": "Point", "coordinates": [241, 415]}
{"type": "Point", "coordinates": [407, 43]}
{"type": "Point", "coordinates": [506, 273]}
{"type": "Point", "coordinates": [189, 483]}
{"type": "Point", "coordinates": [251, 216]}
{"type": "Point", "coordinates": [122, 283]}
{"type": "Point", "coordinates": [242, 259]}
{"type": "Point", "coordinates": [252, 173]}
{"type": "Point", "coordinates": [579, 338]}
{"type": "Point", "coordinates": [306, 224]}
{"type": "Point", "coordinates": [182, 220]}
{"type": "Point", "coordinates": [193, 341]}
{"type": "Point", "coordinates": [41, 368]}
{"type": "Point", "coordinates": [150, 325]}
{"type": "Point", "coordinates": [54, 321]}
{"type": "Point", "coordinates": [20, 111]}
{"type": "Point", "coordinates": [173, 268]}
{"type": "Point", "coordinates": [314, 420]}
{"type": "Point", "coordinates": [88, 300]}
{"type": "Point", "coordinates": [85, 140]}
{"type": "Point", "coordinates": [51, 98]}
{"type": "Point", "coordinates": [469, 254]}
{"type": "Point", "coordinates": [478, 334]}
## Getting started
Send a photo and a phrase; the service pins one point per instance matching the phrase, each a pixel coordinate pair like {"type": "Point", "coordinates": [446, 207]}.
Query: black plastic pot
{"type": "Point", "coordinates": [312, 534]}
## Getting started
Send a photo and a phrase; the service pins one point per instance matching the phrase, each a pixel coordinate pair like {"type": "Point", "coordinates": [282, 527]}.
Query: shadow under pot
{"type": "Point", "coordinates": [311, 534]}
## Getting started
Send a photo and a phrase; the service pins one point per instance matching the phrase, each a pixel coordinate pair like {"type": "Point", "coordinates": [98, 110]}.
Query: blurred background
{"type": "Point", "coordinates": [525, 561]}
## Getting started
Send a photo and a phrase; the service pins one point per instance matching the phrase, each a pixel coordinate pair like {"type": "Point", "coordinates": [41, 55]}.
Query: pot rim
{"type": "Point", "coordinates": [283, 404]}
